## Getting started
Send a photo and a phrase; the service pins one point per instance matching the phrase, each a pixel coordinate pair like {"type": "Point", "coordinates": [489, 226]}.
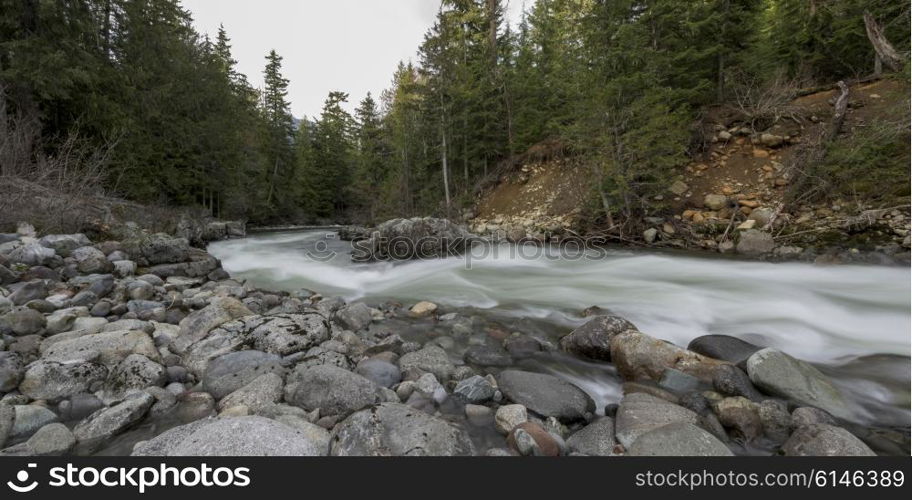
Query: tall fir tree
{"type": "Point", "coordinates": [278, 136]}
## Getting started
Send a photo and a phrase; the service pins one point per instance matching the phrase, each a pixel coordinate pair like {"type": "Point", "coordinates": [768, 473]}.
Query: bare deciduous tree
{"type": "Point", "coordinates": [884, 49]}
{"type": "Point", "coordinates": [56, 191]}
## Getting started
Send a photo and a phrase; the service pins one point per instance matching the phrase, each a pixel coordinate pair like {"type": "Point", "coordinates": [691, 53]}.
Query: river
{"type": "Point", "coordinates": [853, 322]}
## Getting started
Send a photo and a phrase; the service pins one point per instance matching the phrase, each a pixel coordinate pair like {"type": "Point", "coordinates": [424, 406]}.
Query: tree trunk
{"type": "Point", "coordinates": [882, 46]}
{"type": "Point", "coordinates": [839, 115]}
{"type": "Point", "coordinates": [29, 20]}
{"type": "Point", "coordinates": [508, 106]}
{"type": "Point", "coordinates": [720, 85]}
{"type": "Point", "coordinates": [406, 190]}
{"type": "Point", "coordinates": [606, 206]}
{"type": "Point", "coordinates": [107, 28]}
{"type": "Point", "coordinates": [446, 176]}
{"type": "Point", "coordinates": [465, 150]}
{"type": "Point", "coordinates": [465, 119]}
{"type": "Point", "coordinates": [275, 171]}
{"type": "Point", "coordinates": [492, 31]}
{"type": "Point", "coordinates": [720, 63]}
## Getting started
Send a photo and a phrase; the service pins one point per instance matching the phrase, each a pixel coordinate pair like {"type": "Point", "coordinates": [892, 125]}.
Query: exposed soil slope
{"type": "Point", "coordinates": [737, 184]}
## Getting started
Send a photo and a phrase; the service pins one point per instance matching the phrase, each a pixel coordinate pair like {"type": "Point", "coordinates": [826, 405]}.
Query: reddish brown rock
{"type": "Point", "coordinates": [639, 356]}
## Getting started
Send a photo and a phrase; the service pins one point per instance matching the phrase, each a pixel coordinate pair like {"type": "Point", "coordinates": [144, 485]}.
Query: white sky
{"type": "Point", "coordinates": [348, 45]}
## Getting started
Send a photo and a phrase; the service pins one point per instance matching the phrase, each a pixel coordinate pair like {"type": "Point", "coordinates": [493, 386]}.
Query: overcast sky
{"type": "Point", "coordinates": [347, 45]}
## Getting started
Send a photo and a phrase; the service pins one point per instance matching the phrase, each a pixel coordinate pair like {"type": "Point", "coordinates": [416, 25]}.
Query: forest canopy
{"type": "Point", "coordinates": [618, 83]}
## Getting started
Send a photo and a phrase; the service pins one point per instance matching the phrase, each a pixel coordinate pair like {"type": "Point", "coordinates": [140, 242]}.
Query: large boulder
{"type": "Point", "coordinates": [108, 348]}
{"type": "Point", "coordinates": [90, 260]}
{"type": "Point", "coordinates": [135, 373]}
{"type": "Point", "coordinates": [199, 323]}
{"type": "Point", "coordinates": [732, 381]}
{"type": "Point", "coordinates": [263, 392]}
{"type": "Point", "coordinates": [430, 359]}
{"type": "Point", "coordinates": [78, 407]}
{"type": "Point", "coordinates": [487, 355]}
{"type": "Point", "coordinates": [781, 375]}
{"type": "Point", "coordinates": [7, 275]}
{"type": "Point", "coordinates": [763, 216]}
{"type": "Point", "coordinates": [380, 372]}
{"type": "Point", "coordinates": [22, 321]}
{"type": "Point", "coordinates": [680, 439]}
{"type": "Point", "coordinates": [283, 334]}
{"type": "Point", "coordinates": [7, 415]}
{"type": "Point", "coordinates": [235, 229]}
{"type": "Point", "coordinates": [332, 390]}
{"type": "Point", "coordinates": [823, 440]}
{"type": "Point", "coordinates": [250, 436]}
{"type": "Point", "coordinates": [64, 244]}
{"type": "Point", "coordinates": [639, 356]}
{"type": "Point", "coordinates": [593, 339]}
{"type": "Point", "coordinates": [724, 347]}
{"type": "Point", "coordinates": [715, 201]}
{"type": "Point", "coordinates": [10, 371]}
{"type": "Point", "coordinates": [354, 317]}
{"type": "Point", "coordinates": [52, 440]}
{"type": "Point", "coordinates": [51, 380]}
{"type": "Point", "coordinates": [163, 249]}
{"type": "Point", "coordinates": [96, 430]}
{"type": "Point", "coordinates": [546, 395]}
{"type": "Point", "coordinates": [741, 416]}
{"type": "Point", "coordinates": [234, 370]}
{"type": "Point", "coordinates": [28, 291]}
{"type": "Point", "coordinates": [62, 320]}
{"type": "Point", "coordinates": [214, 231]}
{"type": "Point", "coordinates": [755, 243]}
{"type": "Point", "coordinates": [33, 254]}
{"type": "Point", "coordinates": [98, 284]}
{"type": "Point", "coordinates": [418, 238]}
{"type": "Point", "coordinates": [197, 265]}
{"type": "Point", "coordinates": [27, 420]}
{"type": "Point", "coordinates": [392, 429]}
{"type": "Point", "coordinates": [139, 290]}
{"type": "Point", "coordinates": [287, 334]}
{"type": "Point", "coordinates": [474, 390]}
{"type": "Point", "coordinates": [640, 413]}
{"type": "Point", "coordinates": [596, 439]}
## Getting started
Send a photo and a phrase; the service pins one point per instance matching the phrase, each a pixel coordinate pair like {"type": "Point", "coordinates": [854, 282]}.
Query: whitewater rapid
{"type": "Point", "coordinates": [818, 313]}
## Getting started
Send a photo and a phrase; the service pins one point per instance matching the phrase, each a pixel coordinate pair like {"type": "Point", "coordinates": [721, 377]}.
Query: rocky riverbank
{"type": "Point", "coordinates": [148, 347]}
{"type": "Point", "coordinates": [879, 237]}
{"type": "Point", "coordinates": [823, 235]}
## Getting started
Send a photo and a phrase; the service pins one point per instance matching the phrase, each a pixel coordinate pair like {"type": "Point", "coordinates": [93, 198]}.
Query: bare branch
{"type": "Point", "coordinates": [882, 46]}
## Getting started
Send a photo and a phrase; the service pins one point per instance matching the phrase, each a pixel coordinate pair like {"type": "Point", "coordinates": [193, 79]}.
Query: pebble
{"type": "Point", "coordinates": [509, 416]}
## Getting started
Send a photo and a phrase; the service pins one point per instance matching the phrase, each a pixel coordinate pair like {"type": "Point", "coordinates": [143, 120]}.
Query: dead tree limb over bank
{"type": "Point", "coordinates": [803, 165]}
{"type": "Point", "coordinates": [884, 49]}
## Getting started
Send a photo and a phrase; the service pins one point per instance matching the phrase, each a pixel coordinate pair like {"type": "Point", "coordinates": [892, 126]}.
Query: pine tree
{"type": "Point", "coordinates": [372, 155]}
{"type": "Point", "coordinates": [279, 129]}
{"type": "Point", "coordinates": [332, 158]}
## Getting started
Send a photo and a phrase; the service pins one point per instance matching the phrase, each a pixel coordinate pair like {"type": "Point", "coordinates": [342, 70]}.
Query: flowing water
{"type": "Point", "coordinates": [851, 321]}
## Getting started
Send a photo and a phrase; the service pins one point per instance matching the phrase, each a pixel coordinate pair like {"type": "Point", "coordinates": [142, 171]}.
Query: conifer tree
{"type": "Point", "coordinates": [278, 132]}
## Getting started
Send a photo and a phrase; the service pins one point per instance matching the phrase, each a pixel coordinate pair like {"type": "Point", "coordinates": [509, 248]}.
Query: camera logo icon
{"type": "Point", "coordinates": [19, 485]}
